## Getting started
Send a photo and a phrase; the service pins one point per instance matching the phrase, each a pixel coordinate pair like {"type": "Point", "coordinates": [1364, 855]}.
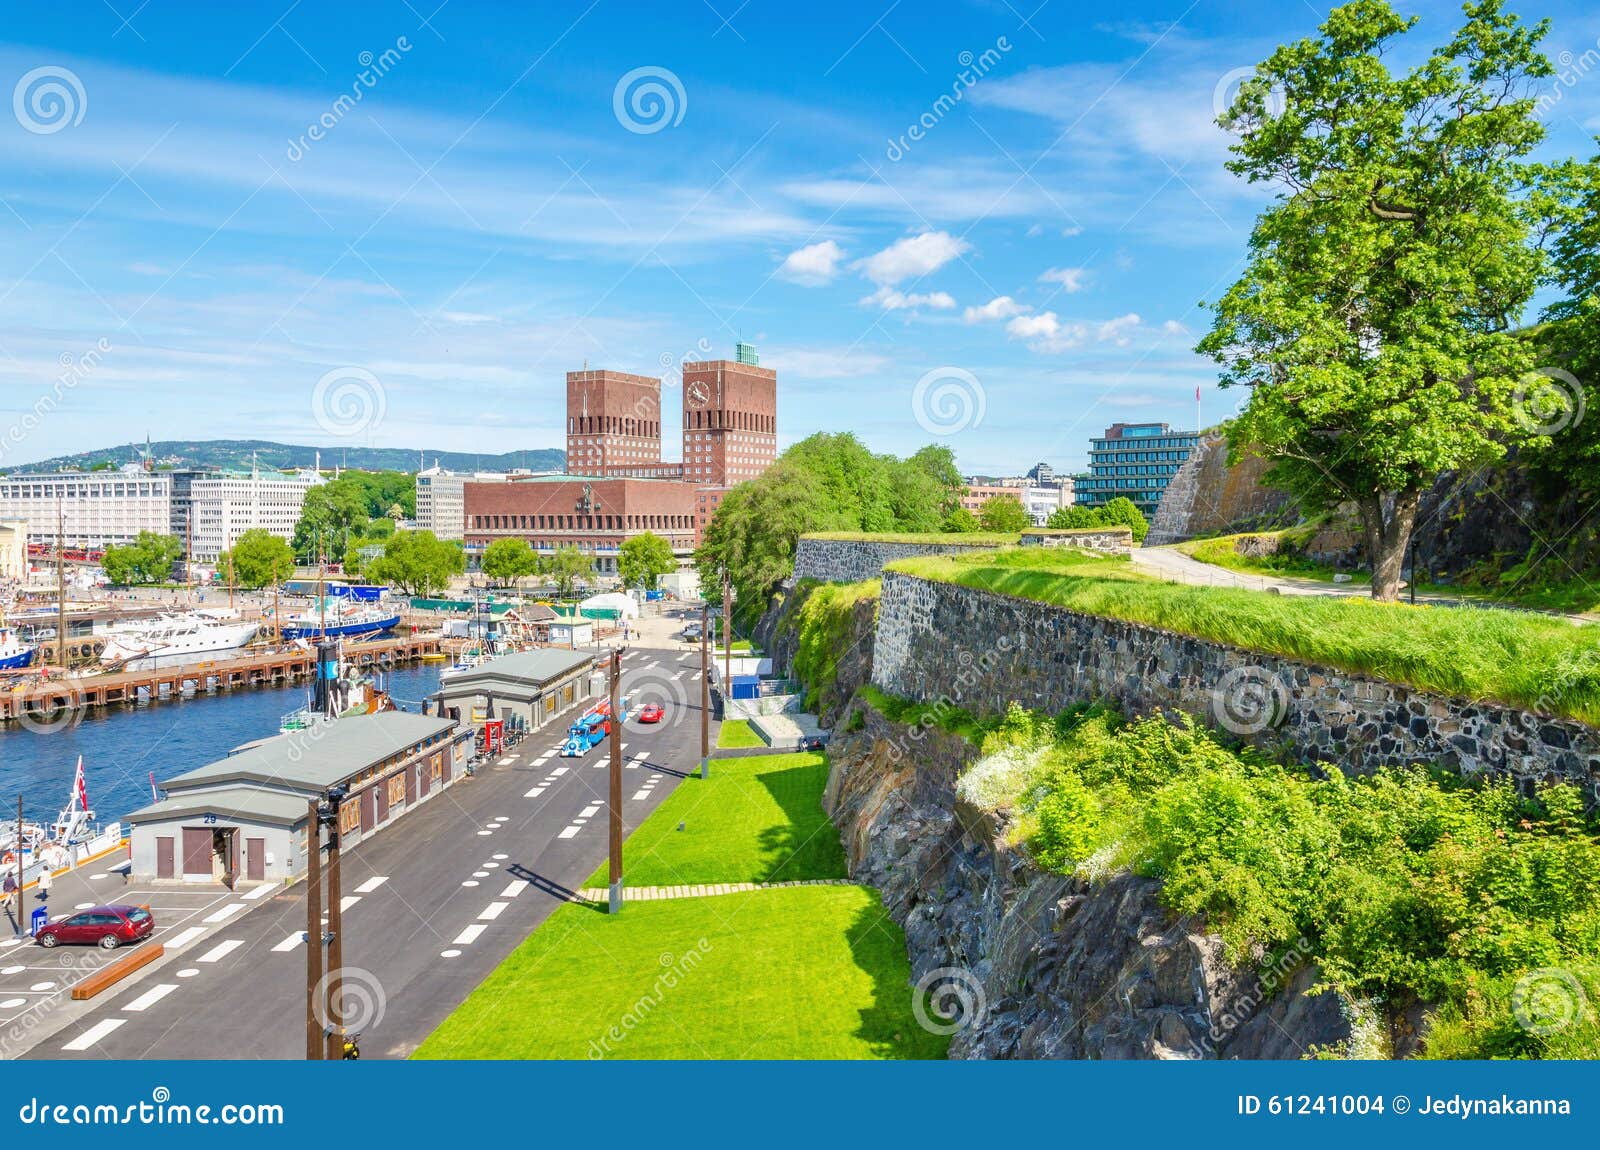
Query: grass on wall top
{"type": "Point", "coordinates": [1523, 659]}
{"type": "Point", "coordinates": [942, 538]}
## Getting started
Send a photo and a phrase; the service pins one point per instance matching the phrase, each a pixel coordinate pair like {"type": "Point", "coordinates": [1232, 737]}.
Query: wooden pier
{"type": "Point", "coordinates": [53, 700]}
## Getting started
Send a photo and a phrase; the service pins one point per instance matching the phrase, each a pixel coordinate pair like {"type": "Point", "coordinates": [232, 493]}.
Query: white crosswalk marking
{"type": "Point", "coordinates": [372, 884]}
{"type": "Point", "coordinates": [261, 891]}
{"type": "Point", "coordinates": [533, 794]}
{"type": "Point", "coordinates": [513, 889]}
{"type": "Point", "coordinates": [221, 950]}
{"type": "Point", "coordinates": [470, 934]}
{"type": "Point", "coordinates": [493, 911]}
{"type": "Point", "coordinates": [152, 996]}
{"type": "Point", "coordinates": [348, 901]}
{"type": "Point", "coordinates": [228, 911]}
{"type": "Point", "coordinates": [183, 938]}
{"type": "Point", "coordinates": [645, 794]}
{"type": "Point", "coordinates": [569, 832]}
{"type": "Point", "coordinates": [291, 942]}
{"type": "Point", "coordinates": [589, 811]}
{"type": "Point", "coordinates": [94, 1034]}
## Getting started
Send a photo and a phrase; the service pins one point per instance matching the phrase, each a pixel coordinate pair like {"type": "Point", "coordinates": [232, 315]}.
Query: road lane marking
{"type": "Point", "coordinates": [589, 811]}
{"type": "Point", "coordinates": [372, 884]}
{"type": "Point", "coordinates": [493, 911]}
{"type": "Point", "coordinates": [261, 891]}
{"type": "Point", "coordinates": [184, 937]}
{"type": "Point", "coordinates": [535, 793]}
{"type": "Point", "coordinates": [221, 951]}
{"type": "Point", "coordinates": [291, 942]}
{"type": "Point", "coordinates": [152, 996]}
{"type": "Point", "coordinates": [569, 832]}
{"type": "Point", "coordinates": [94, 1034]}
{"type": "Point", "coordinates": [469, 934]}
{"type": "Point", "coordinates": [228, 911]}
{"type": "Point", "coordinates": [642, 795]}
{"type": "Point", "coordinates": [348, 901]}
{"type": "Point", "coordinates": [559, 771]}
{"type": "Point", "coordinates": [513, 889]}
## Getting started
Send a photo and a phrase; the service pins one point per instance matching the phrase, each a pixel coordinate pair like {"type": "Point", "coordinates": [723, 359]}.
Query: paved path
{"type": "Point", "coordinates": [432, 905]}
{"type": "Point", "coordinates": [703, 890]}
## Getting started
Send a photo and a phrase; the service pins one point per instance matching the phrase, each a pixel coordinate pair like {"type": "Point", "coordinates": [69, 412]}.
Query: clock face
{"type": "Point", "coordinates": [698, 395]}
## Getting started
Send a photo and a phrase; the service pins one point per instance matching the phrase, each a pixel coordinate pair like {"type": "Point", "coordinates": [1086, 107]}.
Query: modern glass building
{"type": "Point", "coordinates": [1136, 461]}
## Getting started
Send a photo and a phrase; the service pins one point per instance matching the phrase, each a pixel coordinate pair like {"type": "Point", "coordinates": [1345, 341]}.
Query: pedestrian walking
{"type": "Point", "coordinates": [44, 884]}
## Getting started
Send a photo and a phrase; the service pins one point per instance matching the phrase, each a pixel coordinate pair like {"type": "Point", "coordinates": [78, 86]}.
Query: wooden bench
{"type": "Point", "coordinates": [114, 972]}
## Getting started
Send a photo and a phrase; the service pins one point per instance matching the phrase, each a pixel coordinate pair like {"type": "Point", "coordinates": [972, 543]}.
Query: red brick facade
{"type": "Point", "coordinates": [613, 422]}
{"type": "Point", "coordinates": [593, 515]}
{"type": "Point", "coordinates": [730, 421]}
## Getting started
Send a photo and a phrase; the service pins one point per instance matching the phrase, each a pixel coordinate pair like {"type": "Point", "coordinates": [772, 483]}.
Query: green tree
{"type": "Point", "coordinates": [960, 522]}
{"type": "Point", "coordinates": [643, 559]}
{"type": "Point", "coordinates": [1004, 513]}
{"type": "Point", "coordinates": [332, 515]}
{"type": "Point", "coordinates": [507, 560]}
{"type": "Point", "coordinates": [1123, 511]}
{"type": "Point", "coordinates": [1075, 517]}
{"type": "Point", "coordinates": [565, 566]}
{"type": "Point", "coordinates": [418, 562]}
{"type": "Point", "coordinates": [148, 559]}
{"type": "Point", "coordinates": [257, 559]}
{"type": "Point", "coordinates": [1374, 320]}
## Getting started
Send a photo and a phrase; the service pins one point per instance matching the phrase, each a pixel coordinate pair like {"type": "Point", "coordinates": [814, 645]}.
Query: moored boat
{"type": "Point", "coordinates": [340, 618]}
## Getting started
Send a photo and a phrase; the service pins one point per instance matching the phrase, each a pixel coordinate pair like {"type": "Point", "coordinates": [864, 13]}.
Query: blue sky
{"type": "Point", "coordinates": [522, 189]}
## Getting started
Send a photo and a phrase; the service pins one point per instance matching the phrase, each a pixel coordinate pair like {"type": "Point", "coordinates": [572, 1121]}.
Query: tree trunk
{"type": "Point", "coordinates": [1387, 518]}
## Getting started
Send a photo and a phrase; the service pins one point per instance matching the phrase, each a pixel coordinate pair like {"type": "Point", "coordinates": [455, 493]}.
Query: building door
{"type": "Point", "coordinates": [255, 859]}
{"type": "Point", "coordinates": [425, 777]}
{"type": "Point", "coordinates": [368, 810]}
{"type": "Point", "coordinates": [411, 783]}
{"type": "Point", "coordinates": [225, 855]}
{"type": "Point", "coordinates": [164, 858]}
{"type": "Point", "coordinates": [197, 851]}
{"type": "Point", "coordinates": [382, 790]}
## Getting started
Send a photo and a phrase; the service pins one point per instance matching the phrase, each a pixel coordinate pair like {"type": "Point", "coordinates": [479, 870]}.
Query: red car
{"type": "Point", "coordinates": [651, 713]}
{"type": "Point", "coordinates": [105, 926]}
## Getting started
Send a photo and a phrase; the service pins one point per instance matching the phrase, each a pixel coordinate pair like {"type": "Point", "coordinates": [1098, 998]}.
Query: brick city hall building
{"type": "Point", "coordinates": [617, 485]}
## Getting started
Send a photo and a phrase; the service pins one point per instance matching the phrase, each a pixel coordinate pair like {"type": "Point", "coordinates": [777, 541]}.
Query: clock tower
{"type": "Point", "coordinates": [730, 419]}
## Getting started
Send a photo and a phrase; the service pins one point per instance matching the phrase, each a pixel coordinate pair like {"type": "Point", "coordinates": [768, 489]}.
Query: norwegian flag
{"type": "Point", "coordinates": [80, 792]}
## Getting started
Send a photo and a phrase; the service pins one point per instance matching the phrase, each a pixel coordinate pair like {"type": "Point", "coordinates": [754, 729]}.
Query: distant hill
{"type": "Point", "coordinates": [236, 453]}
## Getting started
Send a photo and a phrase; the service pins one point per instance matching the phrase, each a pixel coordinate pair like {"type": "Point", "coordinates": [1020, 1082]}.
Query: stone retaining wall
{"type": "Point", "coordinates": [980, 651]}
{"type": "Point", "coordinates": [852, 560]}
{"type": "Point", "coordinates": [1105, 540]}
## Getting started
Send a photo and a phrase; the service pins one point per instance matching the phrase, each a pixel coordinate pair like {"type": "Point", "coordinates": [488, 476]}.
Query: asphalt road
{"type": "Point", "coordinates": [432, 905]}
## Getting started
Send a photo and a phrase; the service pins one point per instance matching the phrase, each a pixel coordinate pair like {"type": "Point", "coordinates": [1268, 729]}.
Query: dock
{"type": "Point", "coordinates": [48, 700]}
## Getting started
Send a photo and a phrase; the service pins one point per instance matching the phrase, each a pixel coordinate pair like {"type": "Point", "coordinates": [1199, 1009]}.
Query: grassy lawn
{"type": "Point", "coordinates": [738, 734]}
{"type": "Point", "coordinates": [756, 819]}
{"type": "Point", "coordinates": [1513, 657]}
{"type": "Point", "coordinates": [803, 972]}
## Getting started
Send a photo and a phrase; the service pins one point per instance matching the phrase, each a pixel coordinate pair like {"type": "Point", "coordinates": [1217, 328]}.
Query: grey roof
{"type": "Point", "coordinates": [515, 674]}
{"type": "Point", "coordinates": [251, 804]}
{"type": "Point", "coordinates": [316, 759]}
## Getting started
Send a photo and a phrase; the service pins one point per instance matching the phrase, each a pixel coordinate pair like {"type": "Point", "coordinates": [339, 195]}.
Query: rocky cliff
{"type": "Point", "coordinates": [1028, 964]}
{"type": "Point", "coordinates": [1207, 497]}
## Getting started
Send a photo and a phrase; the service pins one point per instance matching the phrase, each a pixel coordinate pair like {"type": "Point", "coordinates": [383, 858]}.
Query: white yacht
{"type": "Point", "coordinates": [176, 641]}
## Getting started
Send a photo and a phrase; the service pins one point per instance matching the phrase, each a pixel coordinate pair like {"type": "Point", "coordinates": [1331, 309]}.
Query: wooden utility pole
{"type": "Point", "coordinates": [335, 947]}
{"type": "Point", "coordinates": [277, 619]}
{"type": "Point", "coordinates": [61, 593]}
{"type": "Point", "coordinates": [615, 803]}
{"type": "Point", "coordinates": [314, 1040]}
{"type": "Point", "coordinates": [705, 691]}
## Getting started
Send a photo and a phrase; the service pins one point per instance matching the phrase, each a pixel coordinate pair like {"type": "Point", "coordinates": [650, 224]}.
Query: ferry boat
{"type": "Point", "coordinates": [176, 641]}
{"type": "Point", "coordinates": [14, 653]}
{"type": "Point", "coordinates": [340, 618]}
{"type": "Point", "coordinates": [73, 838]}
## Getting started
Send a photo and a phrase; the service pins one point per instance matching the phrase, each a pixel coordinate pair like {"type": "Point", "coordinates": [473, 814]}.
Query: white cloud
{"type": "Point", "coordinates": [1001, 307]}
{"type": "Point", "coordinates": [1114, 330]}
{"type": "Point", "coordinates": [1070, 279]}
{"type": "Point", "coordinates": [1173, 327]}
{"type": "Point", "coordinates": [812, 265]}
{"type": "Point", "coordinates": [891, 299]}
{"type": "Point", "coordinates": [912, 256]}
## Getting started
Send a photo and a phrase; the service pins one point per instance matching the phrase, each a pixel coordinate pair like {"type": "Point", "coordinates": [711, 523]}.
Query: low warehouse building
{"type": "Point", "coordinates": [532, 686]}
{"type": "Point", "coordinates": [244, 818]}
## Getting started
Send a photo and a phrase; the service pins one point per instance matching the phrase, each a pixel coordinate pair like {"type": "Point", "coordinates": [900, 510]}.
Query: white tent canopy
{"type": "Point", "coordinates": [612, 601]}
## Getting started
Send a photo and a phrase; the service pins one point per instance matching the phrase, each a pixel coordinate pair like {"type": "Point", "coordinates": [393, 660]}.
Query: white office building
{"type": "Point", "coordinates": [1042, 502]}
{"type": "Point", "coordinates": [226, 505]}
{"type": "Point", "coordinates": [440, 503]}
{"type": "Point", "coordinates": [97, 509]}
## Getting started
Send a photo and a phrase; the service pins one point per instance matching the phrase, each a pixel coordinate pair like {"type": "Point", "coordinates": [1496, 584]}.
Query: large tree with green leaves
{"type": "Point", "coordinates": [1375, 322]}
{"type": "Point", "coordinates": [643, 559]}
{"type": "Point", "coordinates": [148, 559]}
{"type": "Point", "coordinates": [258, 558]}
{"type": "Point", "coordinates": [1003, 513]}
{"type": "Point", "coordinates": [565, 566]}
{"type": "Point", "coordinates": [507, 560]}
{"type": "Point", "coordinates": [418, 562]}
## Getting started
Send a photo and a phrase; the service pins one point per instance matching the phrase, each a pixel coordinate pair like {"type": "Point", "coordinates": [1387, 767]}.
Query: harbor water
{"type": "Point", "coordinates": [122, 746]}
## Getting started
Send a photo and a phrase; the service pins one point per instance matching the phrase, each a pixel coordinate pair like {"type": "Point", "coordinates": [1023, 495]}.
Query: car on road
{"type": "Point", "coordinates": [691, 633]}
{"type": "Point", "coordinates": [651, 713]}
{"type": "Point", "coordinates": [107, 927]}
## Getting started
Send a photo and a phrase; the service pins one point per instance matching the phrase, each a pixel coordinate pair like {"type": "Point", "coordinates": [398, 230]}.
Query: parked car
{"type": "Point", "coordinates": [105, 926]}
{"type": "Point", "coordinates": [691, 633]}
{"type": "Point", "coordinates": [651, 713]}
